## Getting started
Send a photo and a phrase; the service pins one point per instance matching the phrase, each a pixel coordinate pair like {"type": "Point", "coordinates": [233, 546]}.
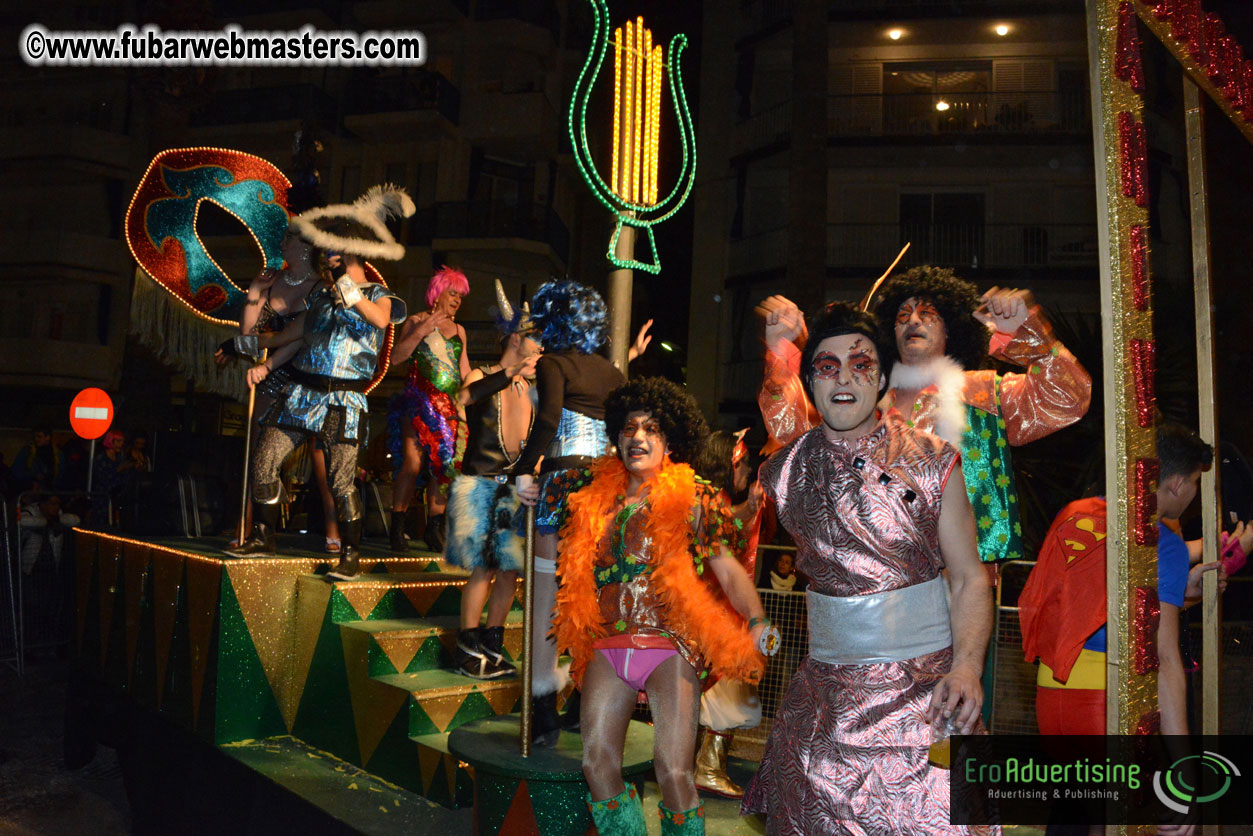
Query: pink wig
{"type": "Point", "coordinates": [443, 279]}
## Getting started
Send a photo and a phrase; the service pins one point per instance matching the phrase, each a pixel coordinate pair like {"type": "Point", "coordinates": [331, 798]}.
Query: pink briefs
{"type": "Point", "coordinates": [635, 664]}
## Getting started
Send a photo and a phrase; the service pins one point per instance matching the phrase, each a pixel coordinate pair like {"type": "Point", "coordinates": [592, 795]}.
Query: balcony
{"type": "Point", "coordinates": [978, 117]}
{"type": "Point", "coordinates": [770, 128]}
{"type": "Point", "coordinates": [446, 223]}
{"type": "Point", "coordinates": [389, 109]}
{"type": "Point", "coordinates": [992, 115]}
{"type": "Point", "coordinates": [67, 146]}
{"type": "Point", "coordinates": [965, 246]}
{"type": "Point", "coordinates": [283, 103]}
{"type": "Point", "coordinates": [760, 17]}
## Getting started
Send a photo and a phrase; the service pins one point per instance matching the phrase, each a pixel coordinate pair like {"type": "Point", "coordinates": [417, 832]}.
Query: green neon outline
{"type": "Point", "coordinates": [628, 213]}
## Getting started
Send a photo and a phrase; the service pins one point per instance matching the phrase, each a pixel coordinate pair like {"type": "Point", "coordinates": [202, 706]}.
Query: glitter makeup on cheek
{"type": "Point", "coordinates": [864, 369]}
{"type": "Point", "coordinates": [826, 366]}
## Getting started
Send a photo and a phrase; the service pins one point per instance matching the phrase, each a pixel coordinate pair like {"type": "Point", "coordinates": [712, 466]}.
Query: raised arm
{"type": "Point", "coordinates": [970, 608]}
{"type": "Point", "coordinates": [1055, 391]}
{"type": "Point", "coordinates": [786, 410]}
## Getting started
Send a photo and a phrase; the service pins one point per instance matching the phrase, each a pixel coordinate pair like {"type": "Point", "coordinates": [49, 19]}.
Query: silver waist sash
{"type": "Point", "coordinates": [884, 627]}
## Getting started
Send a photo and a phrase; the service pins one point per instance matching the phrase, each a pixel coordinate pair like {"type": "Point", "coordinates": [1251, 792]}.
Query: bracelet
{"type": "Point", "coordinates": [755, 620]}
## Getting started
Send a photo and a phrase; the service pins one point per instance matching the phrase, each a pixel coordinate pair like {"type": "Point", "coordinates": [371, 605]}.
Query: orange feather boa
{"type": "Point", "coordinates": [696, 609]}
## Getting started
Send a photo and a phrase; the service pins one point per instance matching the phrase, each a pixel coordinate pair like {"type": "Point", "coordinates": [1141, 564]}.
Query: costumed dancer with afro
{"type": "Point", "coordinates": [425, 421]}
{"type": "Point", "coordinates": [333, 349]}
{"type": "Point", "coordinates": [483, 533]}
{"type": "Point", "coordinates": [651, 599]}
{"type": "Point", "coordinates": [569, 432]}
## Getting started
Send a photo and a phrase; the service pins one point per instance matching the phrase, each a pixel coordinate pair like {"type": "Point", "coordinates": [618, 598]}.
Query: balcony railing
{"type": "Point", "coordinates": [402, 94]}
{"type": "Point", "coordinates": [968, 246]}
{"type": "Point", "coordinates": [267, 104]}
{"type": "Point", "coordinates": [491, 219]}
{"type": "Point", "coordinates": [948, 114]}
{"type": "Point", "coordinates": [965, 246]}
{"type": "Point", "coordinates": [1043, 114]}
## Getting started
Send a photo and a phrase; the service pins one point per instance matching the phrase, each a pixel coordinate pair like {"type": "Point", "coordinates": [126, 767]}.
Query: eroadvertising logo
{"type": "Point", "coordinates": [1116, 779]}
{"type": "Point", "coordinates": [1177, 788]}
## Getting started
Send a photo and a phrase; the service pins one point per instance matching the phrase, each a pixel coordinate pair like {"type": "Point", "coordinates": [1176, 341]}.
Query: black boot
{"type": "Point", "coordinates": [471, 658]}
{"type": "Point", "coordinates": [434, 535]}
{"type": "Point", "coordinates": [397, 531]}
{"type": "Point", "coordinates": [545, 724]}
{"type": "Point", "coordinates": [493, 642]}
{"type": "Point", "coordinates": [350, 523]}
{"type": "Point", "coordinates": [570, 718]}
{"type": "Point", "coordinates": [261, 543]}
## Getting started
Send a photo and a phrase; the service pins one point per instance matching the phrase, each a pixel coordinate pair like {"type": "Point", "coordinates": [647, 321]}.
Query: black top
{"type": "Point", "coordinates": [567, 380]}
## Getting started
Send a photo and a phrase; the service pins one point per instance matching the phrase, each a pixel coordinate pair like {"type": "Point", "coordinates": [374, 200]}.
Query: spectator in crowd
{"type": "Point", "coordinates": [44, 527]}
{"type": "Point", "coordinates": [37, 465]}
{"type": "Point", "coordinates": [111, 473]}
{"type": "Point", "coordinates": [138, 453]}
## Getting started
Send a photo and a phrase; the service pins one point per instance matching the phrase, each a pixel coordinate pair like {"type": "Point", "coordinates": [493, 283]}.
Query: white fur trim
{"type": "Point", "coordinates": [950, 381]}
{"type": "Point", "coordinates": [371, 210]}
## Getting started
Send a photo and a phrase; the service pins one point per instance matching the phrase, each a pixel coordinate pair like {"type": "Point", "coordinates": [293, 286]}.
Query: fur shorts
{"type": "Point", "coordinates": [482, 525]}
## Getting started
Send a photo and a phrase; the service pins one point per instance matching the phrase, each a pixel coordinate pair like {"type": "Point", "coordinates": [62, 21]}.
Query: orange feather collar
{"type": "Point", "coordinates": [695, 607]}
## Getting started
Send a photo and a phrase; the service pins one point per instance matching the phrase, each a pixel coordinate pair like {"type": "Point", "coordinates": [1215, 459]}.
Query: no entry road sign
{"type": "Point", "coordinates": [91, 413]}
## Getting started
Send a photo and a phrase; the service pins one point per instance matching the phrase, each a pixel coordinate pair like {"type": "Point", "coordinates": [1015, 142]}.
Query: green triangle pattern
{"type": "Point", "coordinates": [474, 707]}
{"type": "Point", "coordinates": [144, 687]}
{"type": "Point", "coordinates": [419, 721]}
{"type": "Point", "coordinates": [176, 701]}
{"type": "Point", "coordinates": [325, 717]}
{"type": "Point", "coordinates": [448, 603]}
{"type": "Point", "coordinates": [245, 705]}
{"type": "Point", "coordinates": [340, 608]}
{"type": "Point", "coordinates": [433, 566]}
{"type": "Point", "coordinates": [395, 759]}
{"type": "Point", "coordinates": [378, 663]}
{"type": "Point", "coordinates": [430, 656]}
{"type": "Point", "coordinates": [438, 789]}
{"type": "Point", "coordinates": [393, 604]}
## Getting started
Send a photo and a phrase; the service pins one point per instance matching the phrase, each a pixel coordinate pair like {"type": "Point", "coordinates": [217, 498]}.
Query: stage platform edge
{"type": "Point", "coordinates": [544, 794]}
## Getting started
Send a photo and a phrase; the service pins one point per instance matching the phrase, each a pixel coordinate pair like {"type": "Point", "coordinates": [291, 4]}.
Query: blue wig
{"type": "Point", "coordinates": [568, 315]}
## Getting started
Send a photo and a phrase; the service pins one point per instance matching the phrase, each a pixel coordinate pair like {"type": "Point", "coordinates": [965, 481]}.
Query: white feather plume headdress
{"type": "Point", "coordinates": [342, 227]}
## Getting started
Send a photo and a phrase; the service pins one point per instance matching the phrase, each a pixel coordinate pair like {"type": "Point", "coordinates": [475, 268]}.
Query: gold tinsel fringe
{"type": "Point", "coordinates": [184, 340]}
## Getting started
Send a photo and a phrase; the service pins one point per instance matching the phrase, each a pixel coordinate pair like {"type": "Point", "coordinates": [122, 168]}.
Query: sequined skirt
{"type": "Point", "coordinates": [848, 753]}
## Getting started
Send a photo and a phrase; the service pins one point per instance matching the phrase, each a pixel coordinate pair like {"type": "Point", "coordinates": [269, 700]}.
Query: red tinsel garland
{"type": "Point", "coordinates": [1146, 501]}
{"type": "Point", "coordinates": [1127, 65]}
{"type": "Point", "coordinates": [1204, 36]}
{"type": "Point", "coordinates": [1139, 268]}
{"type": "Point", "coordinates": [1144, 630]}
{"type": "Point", "coordinates": [1133, 146]}
{"type": "Point", "coordinates": [1144, 375]}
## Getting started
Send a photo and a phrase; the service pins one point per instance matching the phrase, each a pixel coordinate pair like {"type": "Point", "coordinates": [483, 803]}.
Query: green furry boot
{"type": "Point", "coordinates": [622, 815]}
{"type": "Point", "coordinates": [687, 823]}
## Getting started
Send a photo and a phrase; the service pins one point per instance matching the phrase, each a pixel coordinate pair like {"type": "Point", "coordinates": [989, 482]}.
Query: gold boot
{"type": "Point", "coordinates": [711, 766]}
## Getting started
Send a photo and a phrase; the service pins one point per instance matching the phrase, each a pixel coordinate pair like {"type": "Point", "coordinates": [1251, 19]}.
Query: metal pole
{"type": "Point", "coordinates": [243, 498]}
{"type": "Point", "coordinates": [1207, 394]}
{"type": "Point", "coordinates": [528, 641]}
{"type": "Point", "coordinates": [620, 281]}
{"type": "Point", "coordinates": [91, 464]}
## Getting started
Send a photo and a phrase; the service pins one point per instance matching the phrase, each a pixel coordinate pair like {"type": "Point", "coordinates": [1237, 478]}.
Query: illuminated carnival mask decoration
{"type": "Point", "coordinates": [161, 222]}
{"type": "Point", "coordinates": [632, 191]}
{"type": "Point", "coordinates": [161, 227]}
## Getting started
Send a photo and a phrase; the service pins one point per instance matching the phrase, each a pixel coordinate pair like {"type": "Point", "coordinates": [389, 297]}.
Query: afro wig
{"type": "Point", "coordinates": [568, 315]}
{"type": "Point", "coordinates": [446, 277]}
{"type": "Point", "coordinates": [670, 406]}
{"type": "Point", "coordinates": [836, 320]}
{"type": "Point", "coordinates": [955, 299]}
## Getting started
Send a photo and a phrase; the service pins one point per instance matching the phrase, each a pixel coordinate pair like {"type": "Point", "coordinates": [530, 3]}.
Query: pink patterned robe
{"type": "Point", "coordinates": [848, 751]}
